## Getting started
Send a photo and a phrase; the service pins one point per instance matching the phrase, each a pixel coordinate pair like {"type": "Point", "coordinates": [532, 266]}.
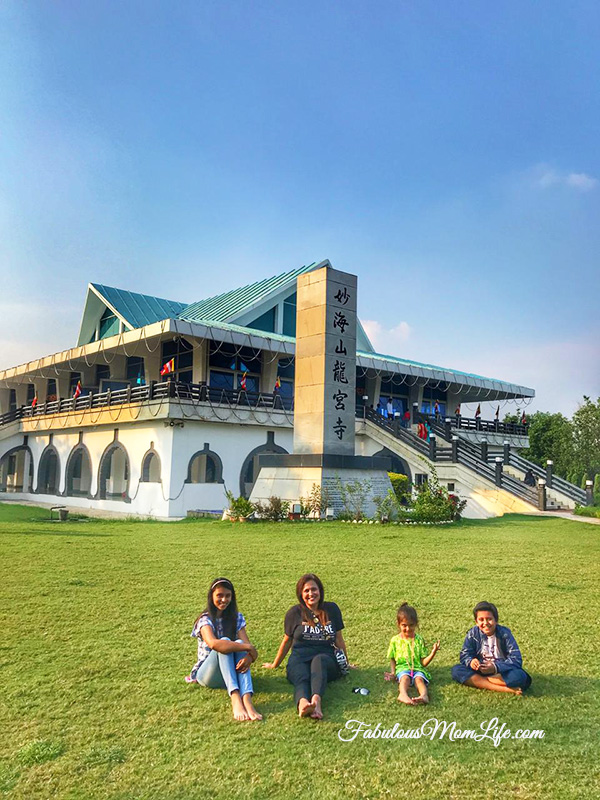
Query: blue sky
{"type": "Point", "coordinates": [446, 153]}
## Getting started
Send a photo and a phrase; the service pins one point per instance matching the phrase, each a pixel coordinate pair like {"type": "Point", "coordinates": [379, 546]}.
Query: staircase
{"type": "Point", "coordinates": [493, 471]}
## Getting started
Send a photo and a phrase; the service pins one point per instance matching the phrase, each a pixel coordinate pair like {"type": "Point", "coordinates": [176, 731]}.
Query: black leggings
{"type": "Point", "coordinates": [311, 676]}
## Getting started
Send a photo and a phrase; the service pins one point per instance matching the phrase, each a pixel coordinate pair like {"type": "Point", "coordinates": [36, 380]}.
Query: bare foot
{"type": "Point", "coordinates": [318, 712]}
{"type": "Point", "coordinates": [518, 691]}
{"type": "Point", "coordinates": [305, 709]}
{"type": "Point", "coordinates": [239, 712]}
{"type": "Point", "coordinates": [421, 700]}
{"type": "Point", "coordinates": [249, 706]}
{"type": "Point", "coordinates": [404, 698]}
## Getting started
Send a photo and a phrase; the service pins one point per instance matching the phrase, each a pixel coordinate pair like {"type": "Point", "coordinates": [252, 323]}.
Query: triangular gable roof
{"type": "Point", "coordinates": [137, 309]}
{"type": "Point", "coordinates": [229, 306]}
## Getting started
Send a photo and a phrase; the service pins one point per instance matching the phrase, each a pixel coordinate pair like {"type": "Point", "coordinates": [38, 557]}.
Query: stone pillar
{"type": "Point", "coordinates": [484, 450]}
{"type": "Point", "coordinates": [432, 446]}
{"type": "Point", "coordinates": [325, 388]}
{"type": "Point", "coordinates": [455, 449]}
{"type": "Point", "coordinates": [549, 473]}
{"type": "Point", "coordinates": [4, 400]}
{"type": "Point", "coordinates": [269, 371]}
{"type": "Point", "coordinates": [200, 362]}
{"type": "Point", "coordinates": [498, 474]}
{"type": "Point", "coordinates": [506, 452]}
{"type": "Point", "coordinates": [448, 429]}
{"type": "Point", "coordinates": [541, 488]}
{"type": "Point", "coordinates": [589, 493]}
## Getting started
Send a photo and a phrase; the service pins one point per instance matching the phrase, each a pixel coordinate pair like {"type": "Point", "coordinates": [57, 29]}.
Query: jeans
{"type": "Point", "coordinates": [514, 678]}
{"type": "Point", "coordinates": [218, 672]}
{"type": "Point", "coordinates": [311, 676]}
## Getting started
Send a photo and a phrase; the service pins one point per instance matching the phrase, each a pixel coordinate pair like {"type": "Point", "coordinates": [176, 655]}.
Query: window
{"type": "Point", "coordinates": [109, 324]}
{"type": "Point", "coordinates": [286, 371]}
{"type": "Point", "coordinates": [12, 400]}
{"type": "Point", "coordinates": [51, 390]}
{"type": "Point", "coordinates": [228, 365]}
{"type": "Point", "coordinates": [266, 321]}
{"type": "Point", "coordinates": [430, 396]}
{"type": "Point", "coordinates": [205, 467]}
{"type": "Point", "coordinates": [393, 388]}
{"type": "Point", "coordinates": [183, 354]}
{"type": "Point", "coordinates": [102, 373]}
{"type": "Point", "coordinates": [289, 315]}
{"type": "Point", "coordinates": [135, 370]}
{"type": "Point", "coordinates": [30, 393]}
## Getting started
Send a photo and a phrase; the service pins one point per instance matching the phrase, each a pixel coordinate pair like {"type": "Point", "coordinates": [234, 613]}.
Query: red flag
{"type": "Point", "coordinates": [277, 384]}
{"type": "Point", "coordinates": [523, 419]}
{"type": "Point", "coordinates": [478, 412]}
{"type": "Point", "coordinates": [243, 381]}
{"type": "Point", "coordinates": [34, 401]}
{"type": "Point", "coordinates": [77, 391]}
{"type": "Point", "coordinates": [168, 367]}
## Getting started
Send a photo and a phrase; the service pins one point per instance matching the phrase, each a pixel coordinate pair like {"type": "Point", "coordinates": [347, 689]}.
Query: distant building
{"type": "Point", "coordinates": [163, 404]}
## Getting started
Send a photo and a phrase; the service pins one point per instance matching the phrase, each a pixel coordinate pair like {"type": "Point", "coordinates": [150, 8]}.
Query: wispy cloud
{"type": "Point", "coordinates": [544, 176]}
{"type": "Point", "coordinates": [387, 340]}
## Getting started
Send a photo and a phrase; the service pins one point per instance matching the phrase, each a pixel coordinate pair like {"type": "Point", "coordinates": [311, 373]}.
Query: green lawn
{"type": "Point", "coordinates": [96, 618]}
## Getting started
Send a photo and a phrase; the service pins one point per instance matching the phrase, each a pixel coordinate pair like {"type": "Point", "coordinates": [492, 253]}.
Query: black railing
{"type": "Point", "coordinates": [194, 392]}
{"type": "Point", "coordinates": [458, 422]}
{"type": "Point", "coordinates": [462, 452]}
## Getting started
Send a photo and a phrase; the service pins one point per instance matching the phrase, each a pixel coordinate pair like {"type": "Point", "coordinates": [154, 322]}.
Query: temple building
{"type": "Point", "coordinates": [162, 405]}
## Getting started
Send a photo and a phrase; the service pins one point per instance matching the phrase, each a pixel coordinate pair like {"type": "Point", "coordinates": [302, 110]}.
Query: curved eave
{"type": "Point", "coordinates": [274, 342]}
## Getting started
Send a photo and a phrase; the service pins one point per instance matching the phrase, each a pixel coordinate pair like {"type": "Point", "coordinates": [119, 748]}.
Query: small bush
{"type": "Point", "coordinates": [239, 507]}
{"type": "Point", "coordinates": [587, 511]}
{"type": "Point", "coordinates": [275, 510]}
{"type": "Point", "coordinates": [353, 495]}
{"type": "Point", "coordinates": [318, 500]}
{"type": "Point", "coordinates": [597, 489]}
{"type": "Point", "coordinates": [400, 486]}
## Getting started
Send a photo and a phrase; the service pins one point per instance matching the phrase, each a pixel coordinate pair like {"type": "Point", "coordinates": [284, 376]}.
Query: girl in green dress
{"type": "Point", "coordinates": [409, 657]}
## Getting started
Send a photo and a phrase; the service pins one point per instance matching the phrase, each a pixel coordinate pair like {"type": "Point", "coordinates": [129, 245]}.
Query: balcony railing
{"type": "Point", "coordinates": [459, 422]}
{"type": "Point", "coordinates": [169, 390]}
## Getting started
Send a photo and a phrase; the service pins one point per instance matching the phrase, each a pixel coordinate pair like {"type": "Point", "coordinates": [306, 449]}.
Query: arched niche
{"type": "Point", "coordinates": [113, 474]}
{"type": "Point", "coordinates": [250, 468]}
{"type": "Point", "coordinates": [48, 476]}
{"type": "Point", "coordinates": [78, 482]}
{"type": "Point", "coordinates": [205, 466]}
{"type": "Point", "coordinates": [16, 470]}
{"type": "Point", "coordinates": [151, 467]}
{"type": "Point", "coordinates": [399, 465]}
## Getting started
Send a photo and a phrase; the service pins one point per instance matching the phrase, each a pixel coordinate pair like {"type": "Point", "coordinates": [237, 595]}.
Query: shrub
{"type": "Point", "coordinates": [318, 500]}
{"type": "Point", "coordinates": [386, 507]}
{"type": "Point", "coordinates": [597, 489]}
{"type": "Point", "coordinates": [274, 510]}
{"type": "Point", "coordinates": [434, 503]}
{"type": "Point", "coordinates": [239, 507]}
{"type": "Point", "coordinates": [353, 495]}
{"type": "Point", "coordinates": [587, 511]}
{"type": "Point", "coordinates": [401, 487]}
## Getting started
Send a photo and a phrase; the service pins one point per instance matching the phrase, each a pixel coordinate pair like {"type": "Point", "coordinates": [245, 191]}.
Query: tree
{"type": "Point", "coordinates": [551, 437]}
{"type": "Point", "coordinates": [586, 437]}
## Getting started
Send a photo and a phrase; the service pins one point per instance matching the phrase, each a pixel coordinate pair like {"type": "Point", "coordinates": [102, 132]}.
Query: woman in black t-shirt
{"type": "Point", "coordinates": [311, 629]}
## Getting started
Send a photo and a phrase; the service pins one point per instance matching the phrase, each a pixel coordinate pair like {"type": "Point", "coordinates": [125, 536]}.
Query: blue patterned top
{"type": "Point", "coordinates": [203, 649]}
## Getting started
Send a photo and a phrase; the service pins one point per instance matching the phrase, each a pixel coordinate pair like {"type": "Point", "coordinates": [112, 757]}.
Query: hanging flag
{"type": "Point", "coordinates": [77, 391]}
{"type": "Point", "coordinates": [168, 367]}
{"type": "Point", "coordinates": [478, 412]}
{"type": "Point", "coordinates": [34, 401]}
{"type": "Point", "coordinates": [277, 384]}
{"type": "Point", "coordinates": [243, 381]}
{"type": "Point", "coordinates": [498, 413]}
{"type": "Point", "coordinates": [523, 419]}
{"type": "Point", "coordinates": [457, 410]}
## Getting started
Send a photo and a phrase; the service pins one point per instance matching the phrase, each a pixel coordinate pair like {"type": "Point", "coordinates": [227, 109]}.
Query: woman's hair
{"type": "Point", "coordinates": [484, 606]}
{"type": "Point", "coordinates": [408, 614]}
{"type": "Point", "coordinates": [307, 615]}
{"type": "Point", "coordinates": [229, 616]}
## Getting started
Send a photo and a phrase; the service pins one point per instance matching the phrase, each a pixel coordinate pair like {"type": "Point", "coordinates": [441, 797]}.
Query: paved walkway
{"type": "Point", "coordinates": [569, 515]}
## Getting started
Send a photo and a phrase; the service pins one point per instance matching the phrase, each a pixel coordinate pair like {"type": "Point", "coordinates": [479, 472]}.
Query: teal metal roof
{"type": "Point", "coordinates": [139, 309]}
{"type": "Point", "coordinates": [223, 307]}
